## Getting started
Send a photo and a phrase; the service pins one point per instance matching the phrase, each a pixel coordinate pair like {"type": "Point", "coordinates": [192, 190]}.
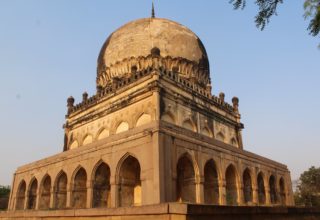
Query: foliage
{"type": "Point", "coordinates": [4, 191]}
{"type": "Point", "coordinates": [268, 8]}
{"type": "Point", "coordinates": [308, 190]}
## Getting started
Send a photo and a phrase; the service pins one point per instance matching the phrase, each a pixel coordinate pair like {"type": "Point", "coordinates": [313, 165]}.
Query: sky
{"type": "Point", "coordinates": [49, 50]}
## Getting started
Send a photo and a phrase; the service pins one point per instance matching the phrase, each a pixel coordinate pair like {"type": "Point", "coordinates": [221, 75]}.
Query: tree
{"type": "Point", "coordinates": [4, 196]}
{"type": "Point", "coordinates": [308, 190]}
{"type": "Point", "coordinates": [268, 8]}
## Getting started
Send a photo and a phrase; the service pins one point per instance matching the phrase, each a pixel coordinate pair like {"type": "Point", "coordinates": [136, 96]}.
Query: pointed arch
{"type": "Point", "coordinates": [282, 191]}
{"type": "Point", "coordinates": [60, 190]}
{"type": "Point", "coordinates": [32, 194]}
{"type": "Point", "coordinates": [220, 136]}
{"type": "Point", "coordinates": [211, 183]}
{"type": "Point", "coordinates": [88, 139]}
{"type": "Point", "coordinates": [189, 124]}
{"type": "Point", "coordinates": [103, 133]}
{"type": "Point", "coordinates": [123, 126]}
{"type": "Point", "coordinates": [101, 185]}
{"type": "Point", "coordinates": [233, 141]}
{"type": "Point", "coordinates": [261, 189]}
{"type": "Point", "coordinates": [74, 144]}
{"type": "Point", "coordinates": [247, 186]}
{"type": "Point", "coordinates": [169, 117]}
{"type": "Point", "coordinates": [273, 190]}
{"type": "Point", "coordinates": [45, 192]}
{"type": "Point", "coordinates": [231, 185]}
{"type": "Point", "coordinates": [21, 194]}
{"type": "Point", "coordinates": [129, 181]}
{"type": "Point", "coordinates": [186, 179]}
{"type": "Point", "coordinates": [206, 131]}
{"type": "Point", "coordinates": [79, 188]}
{"type": "Point", "coordinates": [143, 119]}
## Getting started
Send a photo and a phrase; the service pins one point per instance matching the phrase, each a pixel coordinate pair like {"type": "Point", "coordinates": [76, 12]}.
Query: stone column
{"type": "Point", "coordinates": [37, 198]}
{"type": "Point", "coordinates": [51, 205]}
{"type": "Point", "coordinates": [267, 190]}
{"type": "Point", "coordinates": [222, 192]}
{"type": "Point", "coordinates": [68, 203]}
{"type": "Point", "coordinates": [25, 198]}
{"type": "Point", "coordinates": [255, 195]}
{"type": "Point", "coordinates": [89, 194]}
{"type": "Point", "coordinates": [114, 193]}
{"type": "Point", "coordinates": [241, 195]}
{"type": "Point", "coordinates": [200, 191]}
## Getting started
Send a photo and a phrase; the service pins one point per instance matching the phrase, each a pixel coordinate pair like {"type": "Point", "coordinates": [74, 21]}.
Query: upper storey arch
{"type": "Point", "coordinates": [131, 46]}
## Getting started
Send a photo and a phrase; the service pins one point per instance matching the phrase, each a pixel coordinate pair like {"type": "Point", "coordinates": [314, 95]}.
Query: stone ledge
{"type": "Point", "coordinates": [173, 211]}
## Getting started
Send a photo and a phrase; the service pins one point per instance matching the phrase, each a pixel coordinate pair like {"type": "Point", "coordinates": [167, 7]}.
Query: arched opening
{"type": "Point", "coordinates": [87, 140]}
{"type": "Point", "coordinates": [123, 126]}
{"type": "Point", "coordinates": [103, 134]}
{"type": "Point", "coordinates": [273, 191]}
{"type": "Point", "coordinates": [61, 191]}
{"type": "Point", "coordinates": [101, 186]}
{"type": "Point", "coordinates": [186, 186]}
{"type": "Point", "coordinates": [233, 142]}
{"type": "Point", "coordinates": [247, 186]}
{"type": "Point", "coordinates": [220, 137]}
{"type": "Point", "coordinates": [231, 186]}
{"type": "Point", "coordinates": [32, 195]}
{"type": "Point", "coordinates": [187, 124]}
{"type": "Point", "coordinates": [144, 119]}
{"type": "Point", "coordinates": [282, 192]}
{"type": "Point", "coordinates": [211, 184]}
{"type": "Point", "coordinates": [261, 189]}
{"type": "Point", "coordinates": [206, 132]}
{"type": "Point", "coordinates": [45, 193]}
{"type": "Point", "coordinates": [79, 189]}
{"type": "Point", "coordinates": [21, 193]}
{"type": "Point", "coordinates": [130, 183]}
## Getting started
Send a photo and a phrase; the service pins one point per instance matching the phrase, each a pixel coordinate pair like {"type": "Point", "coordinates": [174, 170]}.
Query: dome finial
{"type": "Point", "coordinates": [152, 12]}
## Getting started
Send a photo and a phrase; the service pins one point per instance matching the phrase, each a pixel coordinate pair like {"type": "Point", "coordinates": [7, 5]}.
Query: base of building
{"type": "Point", "coordinates": [170, 211]}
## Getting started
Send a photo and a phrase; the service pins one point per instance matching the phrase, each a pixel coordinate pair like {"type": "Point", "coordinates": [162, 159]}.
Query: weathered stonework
{"type": "Point", "coordinates": [152, 134]}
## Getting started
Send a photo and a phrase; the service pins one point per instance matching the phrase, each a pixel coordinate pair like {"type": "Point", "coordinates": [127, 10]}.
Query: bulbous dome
{"type": "Point", "coordinates": [151, 36]}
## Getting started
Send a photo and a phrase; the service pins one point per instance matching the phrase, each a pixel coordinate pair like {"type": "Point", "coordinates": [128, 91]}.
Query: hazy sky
{"type": "Point", "coordinates": [49, 50]}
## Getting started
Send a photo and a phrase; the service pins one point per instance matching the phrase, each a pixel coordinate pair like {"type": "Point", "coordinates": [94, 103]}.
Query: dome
{"type": "Point", "coordinates": [147, 36]}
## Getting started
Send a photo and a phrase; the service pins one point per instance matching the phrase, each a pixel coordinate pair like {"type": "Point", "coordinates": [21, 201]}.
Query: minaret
{"type": "Point", "coordinates": [152, 12]}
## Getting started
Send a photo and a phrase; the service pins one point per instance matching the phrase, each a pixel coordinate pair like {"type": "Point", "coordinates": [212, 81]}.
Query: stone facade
{"type": "Point", "coordinates": [153, 133]}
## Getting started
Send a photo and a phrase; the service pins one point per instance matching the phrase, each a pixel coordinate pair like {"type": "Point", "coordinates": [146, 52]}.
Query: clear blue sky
{"type": "Point", "coordinates": [49, 50]}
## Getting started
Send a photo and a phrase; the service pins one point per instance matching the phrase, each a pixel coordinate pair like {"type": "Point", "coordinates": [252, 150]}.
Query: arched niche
{"type": "Point", "coordinates": [186, 184]}
{"type": "Point", "coordinates": [211, 183]}
{"type": "Point", "coordinates": [220, 136]}
{"type": "Point", "coordinates": [60, 191]}
{"type": "Point", "coordinates": [74, 144]}
{"type": "Point", "coordinates": [247, 186]}
{"type": "Point", "coordinates": [261, 189]}
{"type": "Point", "coordinates": [282, 191]}
{"type": "Point", "coordinates": [168, 117]}
{"type": "Point", "coordinates": [129, 182]}
{"type": "Point", "coordinates": [21, 194]}
{"type": "Point", "coordinates": [143, 119]}
{"type": "Point", "coordinates": [188, 124]}
{"type": "Point", "coordinates": [273, 191]}
{"type": "Point", "coordinates": [79, 189]}
{"type": "Point", "coordinates": [123, 126]}
{"type": "Point", "coordinates": [87, 140]}
{"type": "Point", "coordinates": [32, 194]}
{"type": "Point", "coordinates": [233, 142]}
{"type": "Point", "coordinates": [104, 133]}
{"type": "Point", "coordinates": [45, 193]}
{"type": "Point", "coordinates": [101, 186]}
{"type": "Point", "coordinates": [205, 131]}
{"type": "Point", "coordinates": [231, 186]}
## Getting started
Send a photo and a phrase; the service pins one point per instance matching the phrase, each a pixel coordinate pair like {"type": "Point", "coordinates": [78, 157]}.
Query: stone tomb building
{"type": "Point", "coordinates": [153, 133]}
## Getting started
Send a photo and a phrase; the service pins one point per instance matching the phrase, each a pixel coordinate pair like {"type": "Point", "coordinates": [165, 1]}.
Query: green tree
{"type": "Point", "coordinates": [4, 196]}
{"type": "Point", "coordinates": [268, 8]}
{"type": "Point", "coordinates": [308, 190]}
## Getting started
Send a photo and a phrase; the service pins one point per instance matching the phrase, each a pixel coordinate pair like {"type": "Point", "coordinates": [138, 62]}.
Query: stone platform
{"type": "Point", "coordinates": [171, 211]}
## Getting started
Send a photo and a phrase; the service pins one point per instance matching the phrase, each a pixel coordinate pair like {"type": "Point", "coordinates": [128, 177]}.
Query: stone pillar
{"type": "Point", "coordinates": [37, 198]}
{"type": "Point", "coordinates": [89, 194]}
{"type": "Point", "coordinates": [51, 205]}
{"type": "Point", "coordinates": [241, 194]}
{"type": "Point", "coordinates": [222, 192]}
{"type": "Point", "coordinates": [68, 203]}
{"type": "Point", "coordinates": [267, 190]}
{"type": "Point", "coordinates": [200, 191]}
{"type": "Point", "coordinates": [114, 193]}
{"type": "Point", "coordinates": [25, 198]}
{"type": "Point", "coordinates": [255, 195]}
